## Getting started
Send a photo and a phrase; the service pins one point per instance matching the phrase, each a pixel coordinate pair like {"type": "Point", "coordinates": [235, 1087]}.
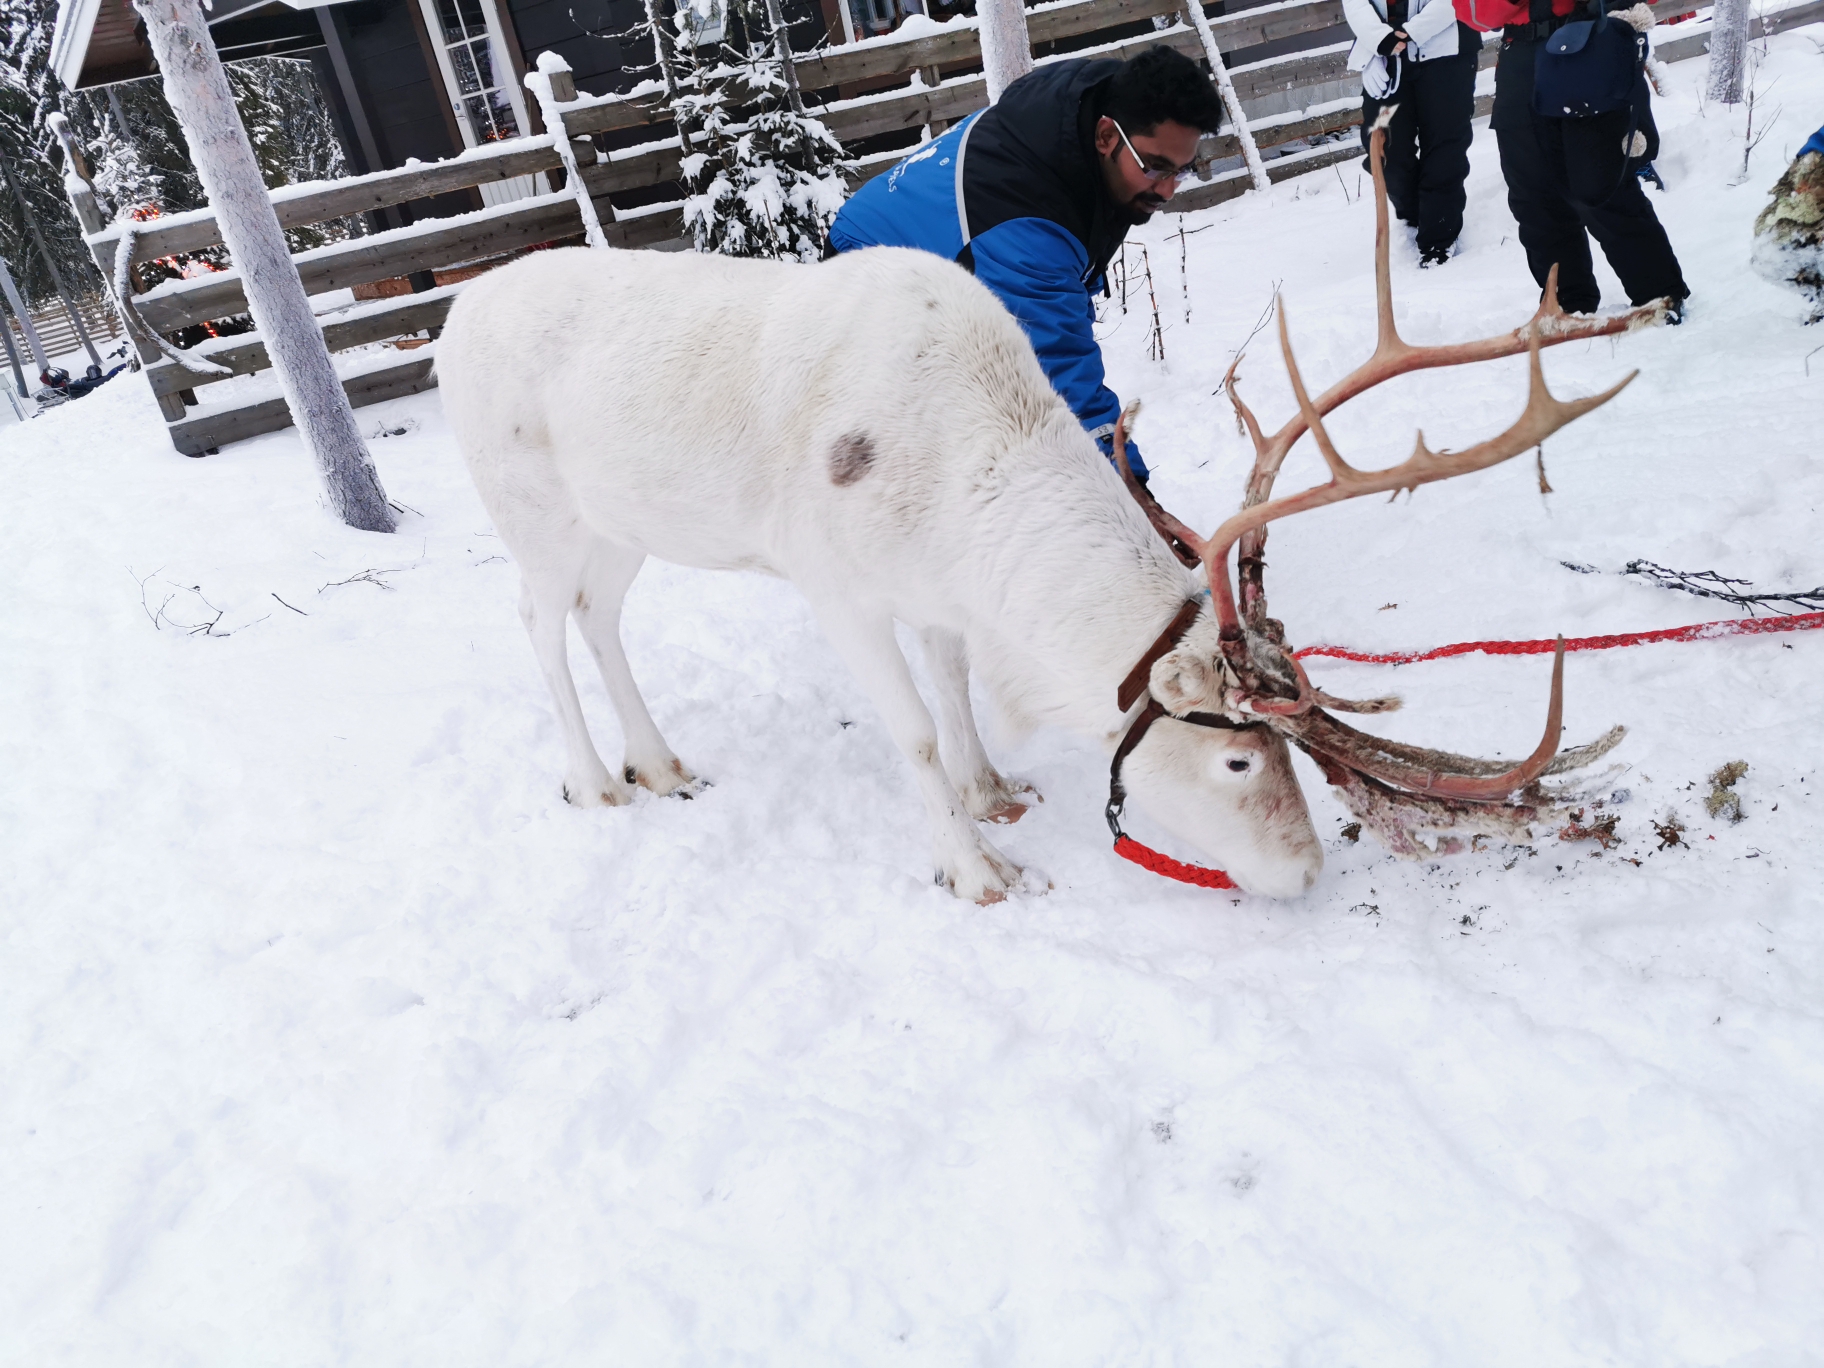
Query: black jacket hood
{"type": "Point", "coordinates": [1032, 155]}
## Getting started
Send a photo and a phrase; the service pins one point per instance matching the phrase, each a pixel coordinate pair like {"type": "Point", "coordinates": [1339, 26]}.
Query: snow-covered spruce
{"type": "Point", "coordinates": [1789, 234]}
{"type": "Point", "coordinates": [768, 187]}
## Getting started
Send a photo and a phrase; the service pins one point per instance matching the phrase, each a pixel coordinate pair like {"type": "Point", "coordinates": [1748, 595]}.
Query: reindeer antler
{"type": "Point", "coordinates": [1544, 414]}
{"type": "Point", "coordinates": [1393, 788]}
{"type": "Point", "coordinates": [1393, 356]}
{"type": "Point", "coordinates": [1185, 544]}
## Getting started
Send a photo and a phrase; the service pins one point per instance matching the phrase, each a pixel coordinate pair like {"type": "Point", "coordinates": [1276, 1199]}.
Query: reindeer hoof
{"type": "Point", "coordinates": [596, 793]}
{"type": "Point", "coordinates": [668, 779]}
{"type": "Point", "coordinates": [1000, 800]}
{"type": "Point", "coordinates": [981, 876]}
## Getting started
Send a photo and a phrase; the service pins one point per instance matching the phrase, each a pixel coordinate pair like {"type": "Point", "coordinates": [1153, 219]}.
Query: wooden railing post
{"type": "Point", "coordinates": [555, 86]}
{"type": "Point", "coordinates": [1193, 10]}
{"type": "Point", "coordinates": [931, 78]}
{"type": "Point", "coordinates": [81, 192]}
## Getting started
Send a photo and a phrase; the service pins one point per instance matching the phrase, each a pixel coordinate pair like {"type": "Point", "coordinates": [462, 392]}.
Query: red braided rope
{"type": "Point", "coordinates": [1702, 631]}
{"type": "Point", "coordinates": [1148, 858]}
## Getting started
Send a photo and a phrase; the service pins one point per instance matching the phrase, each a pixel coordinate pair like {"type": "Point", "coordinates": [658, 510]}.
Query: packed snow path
{"type": "Point", "coordinates": [330, 1034]}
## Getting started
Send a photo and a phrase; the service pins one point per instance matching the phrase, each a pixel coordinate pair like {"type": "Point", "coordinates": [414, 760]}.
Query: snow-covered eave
{"type": "Point", "coordinates": [70, 38]}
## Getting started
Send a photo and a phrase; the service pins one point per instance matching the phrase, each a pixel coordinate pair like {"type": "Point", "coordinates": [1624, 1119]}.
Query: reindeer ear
{"type": "Point", "coordinates": [1184, 681]}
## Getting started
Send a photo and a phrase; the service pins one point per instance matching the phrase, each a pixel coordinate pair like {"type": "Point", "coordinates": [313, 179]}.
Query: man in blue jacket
{"type": "Point", "coordinates": [1035, 194]}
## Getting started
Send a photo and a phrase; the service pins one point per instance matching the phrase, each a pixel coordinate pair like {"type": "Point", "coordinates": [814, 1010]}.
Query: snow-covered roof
{"type": "Point", "coordinates": [83, 25]}
{"type": "Point", "coordinates": [70, 39]}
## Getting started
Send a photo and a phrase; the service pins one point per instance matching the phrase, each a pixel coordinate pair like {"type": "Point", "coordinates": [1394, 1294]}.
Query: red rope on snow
{"type": "Point", "coordinates": [1702, 631]}
{"type": "Point", "coordinates": [1148, 858]}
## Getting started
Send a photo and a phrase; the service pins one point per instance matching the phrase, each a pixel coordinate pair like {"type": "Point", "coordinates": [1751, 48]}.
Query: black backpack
{"type": "Point", "coordinates": [1588, 68]}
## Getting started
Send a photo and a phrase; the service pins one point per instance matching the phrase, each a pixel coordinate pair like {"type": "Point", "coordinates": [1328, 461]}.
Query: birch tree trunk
{"type": "Point", "coordinates": [197, 89]}
{"type": "Point", "coordinates": [1006, 49]}
{"type": "Point", "coordinates": [1728, 49]}
{"type": "Point", "coordinates": [24, 315]}
{"type": "Point", "coordinates": [50, 262]}
{"type": "Point", "coordinates": [12, 356]}
{"type": "Point", "coordinates": [782, 46]}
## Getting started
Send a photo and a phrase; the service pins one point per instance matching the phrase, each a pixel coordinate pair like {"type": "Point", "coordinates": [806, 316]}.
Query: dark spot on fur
{"type": "Point", "coordinates": [582, 601]}
{"type": "Point", "coordinates": [851, 458]}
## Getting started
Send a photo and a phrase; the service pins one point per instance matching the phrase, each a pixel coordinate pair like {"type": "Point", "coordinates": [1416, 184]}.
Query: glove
{"type": "Point", "coordinates": [1391, 41]}
{"type": "Point", "coordinates": [1106, 443]}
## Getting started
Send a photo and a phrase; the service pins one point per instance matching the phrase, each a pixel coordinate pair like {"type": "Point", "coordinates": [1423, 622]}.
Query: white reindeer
{"type": "Point", "coordinates": [877, 429]}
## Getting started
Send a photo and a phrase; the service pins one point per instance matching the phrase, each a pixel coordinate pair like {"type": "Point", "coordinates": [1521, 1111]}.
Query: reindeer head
{"type": "Point", "coordinates": [1253, 676]}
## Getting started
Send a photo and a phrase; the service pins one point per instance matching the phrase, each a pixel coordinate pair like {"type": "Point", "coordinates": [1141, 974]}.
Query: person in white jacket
{"type": "Point", "coordinates": [1417, 55]}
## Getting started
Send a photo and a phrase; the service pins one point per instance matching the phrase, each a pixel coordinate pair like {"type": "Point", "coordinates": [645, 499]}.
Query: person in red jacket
{"type": "Point", "coordinates": [1569, 179]}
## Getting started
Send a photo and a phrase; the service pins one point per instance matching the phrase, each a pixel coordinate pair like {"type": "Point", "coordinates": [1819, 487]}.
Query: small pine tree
{"type": "Point", "coordinates": [29, 90]}
{"type": "Point", "coordinates": [769, 187]}
{"type": "Point", "coordinates": [126, 178]}
{"type": "Point", "coordinates": [293, 137]}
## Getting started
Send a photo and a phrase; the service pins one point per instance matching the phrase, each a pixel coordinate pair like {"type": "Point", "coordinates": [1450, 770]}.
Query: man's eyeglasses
{"type": "Point", "coordinates": [1177, 175]}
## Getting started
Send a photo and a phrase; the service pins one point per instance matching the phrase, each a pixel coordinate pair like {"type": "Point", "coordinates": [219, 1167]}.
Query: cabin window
{"type": "Point", "coordinates": [883, 16]}
{"type": "Point", "coordinates": [479, 82]}
{"type": "Point", "coordinates": [702, 21]}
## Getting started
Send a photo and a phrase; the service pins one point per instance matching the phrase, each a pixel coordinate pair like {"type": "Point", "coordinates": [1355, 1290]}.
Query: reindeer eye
{"type": "Point", "coordinates": [1239, 766]}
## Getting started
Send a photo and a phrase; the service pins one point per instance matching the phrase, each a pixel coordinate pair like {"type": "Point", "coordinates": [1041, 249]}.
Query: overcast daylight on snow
{"type": "Point", "coordinates": [758, 682]}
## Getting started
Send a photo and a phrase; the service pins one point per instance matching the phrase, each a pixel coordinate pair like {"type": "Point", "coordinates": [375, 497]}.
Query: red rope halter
{"type": "Point", "coordinates": [1148, 858]}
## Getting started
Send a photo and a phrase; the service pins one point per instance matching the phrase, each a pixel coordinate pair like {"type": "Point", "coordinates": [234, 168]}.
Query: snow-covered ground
{"type": "Point", "coordinates": [330, 1034]}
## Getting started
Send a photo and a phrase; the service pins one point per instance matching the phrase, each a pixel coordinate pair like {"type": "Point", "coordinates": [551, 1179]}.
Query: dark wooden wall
{"type": "Point", "coordinates": [591, 35]}
{"type": "Point", "coordinates": [406, 110]}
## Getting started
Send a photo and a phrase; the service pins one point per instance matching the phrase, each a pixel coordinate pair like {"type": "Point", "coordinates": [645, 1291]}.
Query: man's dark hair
{"type": "Point", "coordinates": [1161, 85]}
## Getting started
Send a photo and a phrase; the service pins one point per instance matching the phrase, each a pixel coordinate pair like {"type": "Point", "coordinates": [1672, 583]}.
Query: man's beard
{"type": "Point", "coordinates": [1142, 207]}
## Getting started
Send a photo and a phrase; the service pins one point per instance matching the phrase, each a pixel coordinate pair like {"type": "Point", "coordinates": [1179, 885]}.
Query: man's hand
{"type": "Point", "coordinates": [1394, 43]}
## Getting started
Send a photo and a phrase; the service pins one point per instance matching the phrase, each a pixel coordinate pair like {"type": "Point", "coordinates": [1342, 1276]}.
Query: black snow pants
{"type": "Point", "coordinates": [1428, 140]}
{"type": "Point", "coordinates": [1566, 177]}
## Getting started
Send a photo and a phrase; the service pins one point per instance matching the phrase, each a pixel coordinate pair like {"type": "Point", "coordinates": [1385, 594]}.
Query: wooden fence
{"type": "Point", "coordinates": [58, 333]}
{"type": "Point", "coordinates": [1285, 98]}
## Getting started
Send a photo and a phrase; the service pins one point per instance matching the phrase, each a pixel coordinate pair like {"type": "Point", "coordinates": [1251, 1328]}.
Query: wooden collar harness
{"type": "Point", "coordinates": [1131, 689]}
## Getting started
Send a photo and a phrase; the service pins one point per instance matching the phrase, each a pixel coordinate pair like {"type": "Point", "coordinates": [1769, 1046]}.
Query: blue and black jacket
{"type": "Point", "coordinates": [1015, 195]}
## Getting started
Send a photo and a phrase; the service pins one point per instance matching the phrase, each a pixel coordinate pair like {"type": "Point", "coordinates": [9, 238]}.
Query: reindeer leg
{"type": "Point", "coordinates": [544, 604]}
{"type": "Point", "coordinates": [989, 796]}
{"type": "Point", "coordinates": [647, 760]}
{"type": "Point", "coordinates": [966, 864]}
